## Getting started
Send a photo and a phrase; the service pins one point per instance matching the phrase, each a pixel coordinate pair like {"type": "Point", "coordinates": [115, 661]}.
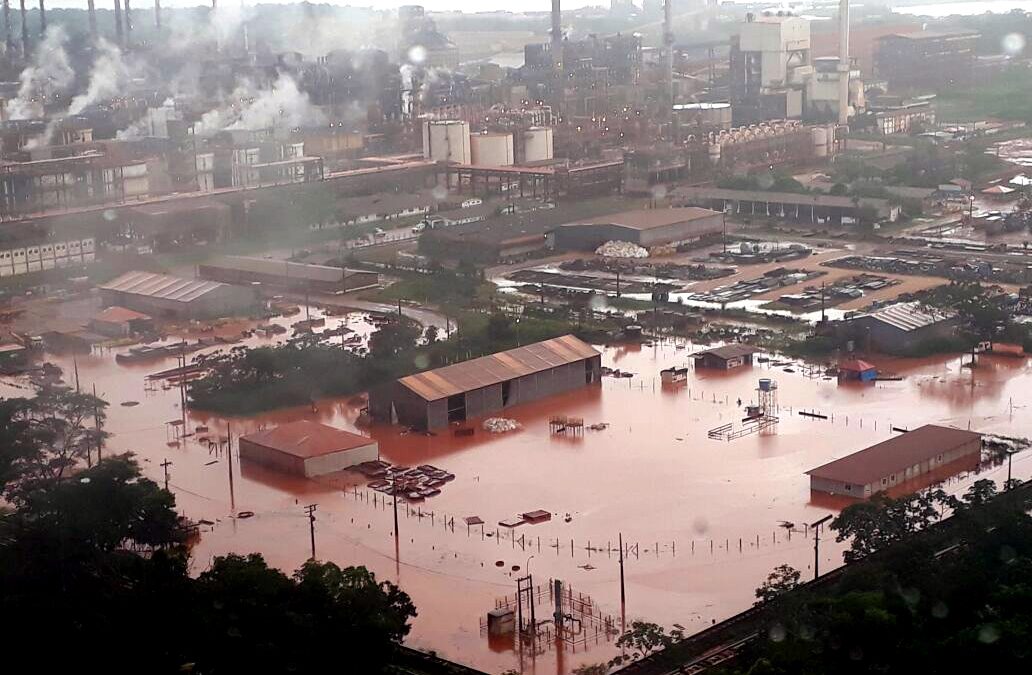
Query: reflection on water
{"type": "Point", "coordinates": [704, 515]}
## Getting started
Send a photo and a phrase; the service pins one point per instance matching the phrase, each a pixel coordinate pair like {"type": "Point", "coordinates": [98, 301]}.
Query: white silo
{"type": "Point", "coordinates": [446, 141]}
{"type": "Point", "coordinates": [537, 144]}
{"type": "Point", "coordinates": [820, 142]}
{"type": "Point", "coordinates": [492, 149]}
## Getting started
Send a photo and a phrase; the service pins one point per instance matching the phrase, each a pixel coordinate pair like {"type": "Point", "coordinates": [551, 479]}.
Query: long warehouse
{"type": "Point", "coordinates": [462, 391]}
{"type": "Point", "coordinates": [168, 297]}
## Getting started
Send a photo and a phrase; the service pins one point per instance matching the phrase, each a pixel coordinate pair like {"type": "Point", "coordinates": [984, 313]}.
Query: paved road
{"type": "Point", "coordinates": [421, 315]}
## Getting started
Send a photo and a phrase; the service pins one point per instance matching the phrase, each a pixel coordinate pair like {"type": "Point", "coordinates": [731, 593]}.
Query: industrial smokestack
{"type": "Point", "coordinates": [157, 14]}
{"type": "Point", "coordinates": [8, 42]}
{"type": "Point", "coordinates": [128, 24]}
{"type": "Point", "coordinates": [557, 54]}
{"type": "Point", "coordinates": [42, 18]}
{"type": "Point", "coordinates": [24, 29]}
{"type": "Point", "coordinates": [668, 45]}
{"type": "Point", "coordinates": [118, 22]}
{"type": "Point", "coordinates": [843, 65]}
{"type": "Point", "coordinates": [93, 19]}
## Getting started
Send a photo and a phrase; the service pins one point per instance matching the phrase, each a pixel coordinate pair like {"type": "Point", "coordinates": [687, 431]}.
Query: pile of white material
{"type": "Point", "coordinates": [499, 425]}
{"type": "Point", "coordinates": [621, 249]}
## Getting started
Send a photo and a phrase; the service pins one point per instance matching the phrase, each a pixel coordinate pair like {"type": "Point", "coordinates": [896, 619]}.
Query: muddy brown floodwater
{"type": "Point", "coordinates": [703, 516]}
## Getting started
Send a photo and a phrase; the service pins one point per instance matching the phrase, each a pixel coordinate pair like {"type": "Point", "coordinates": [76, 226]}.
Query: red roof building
{"type": "Point", "coordinates": [892, 462]}
{"type": "Point", "coordinates": [307, 448]}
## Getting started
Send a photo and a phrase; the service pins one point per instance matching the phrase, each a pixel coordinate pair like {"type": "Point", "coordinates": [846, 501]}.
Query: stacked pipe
{"type": "Point", "coordinates": [7, 27]}
{"type": "Point", "coordinates": [157, 14]}
{"type": "Point", "coordinates": [24, 29]}
{"type": "Point", "coordinates": [668, 46]}
{"type": "Point", "coordinates": [128, 24]}
{"type": "Point", "coordinates": [843, 65]}
{"type": "Point", "coordinates": [557, 54]}
{"type": "Point", "coordinates": [42, 18]}
{"type": "Point", "coordinates": [118, 21]}
{"type": "Point", "coordinates": [93, 18]}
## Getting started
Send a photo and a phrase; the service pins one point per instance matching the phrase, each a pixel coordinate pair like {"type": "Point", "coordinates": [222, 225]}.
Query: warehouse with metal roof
{"type": "Point", "coordinates": [463, 391]}
{"type": "Point", "coordinates": [644, 227]}
{"type": "Point", "coordinates": [233, 269]}
{"type": "Point", "coordinates": [891, 463]}
{"type": "Point", "coordinates": [170, 297]}
{"type": "Point", "coordinates": [901, 327]}
{"type": "Point", "coordinates": [307, 448]}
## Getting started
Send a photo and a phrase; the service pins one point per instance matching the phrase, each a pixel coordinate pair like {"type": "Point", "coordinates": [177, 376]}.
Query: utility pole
{"type": "Point", "coordinates": [229, 456]}
{"type": "Point", "coordinates": [96, 421]}
{"type": "Point", "coordinates": [623, 593]}
{"type": "Point", "coordinates": [164, 465]}
{"type": "Point", "coordinates": [816, 527]}
{"type": "Point", "coordinates": [1010, 456]}
{"type": "Point", "coordinates": [310, 510]}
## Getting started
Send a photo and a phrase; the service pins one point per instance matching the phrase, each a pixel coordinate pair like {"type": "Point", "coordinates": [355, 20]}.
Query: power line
{"type": "Point", "coordinates": [310, 510]}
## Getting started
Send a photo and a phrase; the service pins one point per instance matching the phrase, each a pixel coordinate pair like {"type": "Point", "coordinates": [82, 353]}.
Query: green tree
{"type": "Point", "coordinates": [644, 637]}
{"type": "Point", "coordinates": [393, 338]}
{"type": "Point", "coordinates": [980, 492]}
{"type": "Point", "coordinates": [500, 329]}
{"type": "Point", "coordinates": [783, 579]}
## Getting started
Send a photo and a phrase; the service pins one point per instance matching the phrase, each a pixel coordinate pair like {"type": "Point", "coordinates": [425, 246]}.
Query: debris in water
{"type": "Point", "coordinates": [500, 425]}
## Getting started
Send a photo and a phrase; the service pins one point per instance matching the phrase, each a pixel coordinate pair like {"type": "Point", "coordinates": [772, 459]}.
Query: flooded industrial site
{"type": "Point", "coordinates": [702, 520]}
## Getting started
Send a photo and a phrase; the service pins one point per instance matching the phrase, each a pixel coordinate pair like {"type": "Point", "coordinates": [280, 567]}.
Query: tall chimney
{"type": "Point", "coordinates": [8, 42]}
{"type": "Point", "coordinates": [128, 24]}
{"type": "Point", "coordinates": [93, 18]}
{"type": "Point", "coordinates": [157, 14]}
{"type": "Point", "coordinates": [42, 18]}
{"type": "Point", "coordinates": [843, 64]}
{"type": "Point", "coordinates": [668, 66]}
{"type": "Point", "coordinates": [557, 56]}
{"type": "Point", "coordinates": [118, 22]}
{"type": "Point", "coordinates": [24, 29]}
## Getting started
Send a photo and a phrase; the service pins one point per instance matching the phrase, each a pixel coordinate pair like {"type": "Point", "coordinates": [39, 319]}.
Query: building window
{"type": "Point", "coordinates": [884, 481]}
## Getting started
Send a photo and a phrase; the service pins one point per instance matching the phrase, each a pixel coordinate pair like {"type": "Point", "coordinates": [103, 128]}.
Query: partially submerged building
{"type": "Point", "coordinates": [901, 327]}
{"type": "Point", "coordinates": [890, 463]}
{"type": "Point", "coordinates": [726, 357]}
{"type": "Point", "coordinates": [166, 296]}
{"type": "Point", "coordinates": [120, 322]}
{"type": "Point", "coordinates": [462, 391]}
{"type": "Point", "coordinates": [233, 269]}
{"type": "Point", "coordinates": [857, 369]}
{"type": "Point", "coordinates": [307, 448]}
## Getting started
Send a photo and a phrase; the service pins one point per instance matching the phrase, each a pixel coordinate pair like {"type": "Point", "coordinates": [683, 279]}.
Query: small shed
{"type": "Point", "coordinates": [13, 357]}
{"type": "Point", "coordinates": [857, 369]}
{"type": "Point", "coordinates": [117, 322]}
{"type": "Point", "coordinates": [307, 448]}
{"type": "Point", "coordinates": [726, 357]}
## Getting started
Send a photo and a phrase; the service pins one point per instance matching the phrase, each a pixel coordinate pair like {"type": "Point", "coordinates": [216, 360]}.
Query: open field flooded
{"type": "Point", "coordinates": [704, 519]}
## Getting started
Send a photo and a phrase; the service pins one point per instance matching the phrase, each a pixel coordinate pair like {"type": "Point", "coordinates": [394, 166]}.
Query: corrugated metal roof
{"type": "Point", "coordinates": [732, 351]}
{"type": "Point", "coordinates": [908, 316]}
{"type": "Point", "coordinates": [894, 455]}
{"type": "Point", "coordinates": [116, 314]}
{"type": "Point", "coordinates": [487, 370]}
{"type": "Point", "coordinates": [307, 439]}
{"type": "Point", "coordinates": [162, 286]}
{"type": "Point", "coordinates": [281, 268]}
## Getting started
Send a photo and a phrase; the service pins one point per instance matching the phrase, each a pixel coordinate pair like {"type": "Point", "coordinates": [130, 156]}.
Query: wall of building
{"type": "Point", "coordinates": [268, 457]}
{"type": "Point", "coordinates": [338, 461]}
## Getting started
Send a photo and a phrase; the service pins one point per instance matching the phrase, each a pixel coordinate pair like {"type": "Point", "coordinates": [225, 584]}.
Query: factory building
{"type": "Point", "coordinates": [644, 227]}
{"type": "Point", "coordinates": [770, 63]}
{"type": "Point", "coordinates": [901, 327]}
{"type": "Point", "coordinates": [927, 60]}
{"type": "Point", "coordinates": [307, 449]}
{"type": "Point", "coordinates": [809, 208]}
{"type": "Point", "coordinates": [463, 391]}
{"type": "Point", "coordinates": [285, 274]}
{"type": "Point", "coordinates": [897, 460]}
{"type": "Point", "coordinates": [165, 296]}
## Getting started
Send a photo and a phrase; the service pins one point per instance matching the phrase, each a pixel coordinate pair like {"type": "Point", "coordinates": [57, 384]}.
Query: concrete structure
{"type": "Point", "coordinates": [165, 296]}
{"type": "Point", "coordinates": [463, 391]}
{"type": "Point", "coordinates": [770, 62]}
{"type": "Point", "coordinates": [119, 322]}
{"type": "Point", "coordinates": [927, 60]}
{"type": "Point", "coordinates": [491, 149]}
{"type": "Point", "coordinates": [726, 357]}
{"type": "Point", "coordinates": [243, 270]}
{"type": "Point", "coordinates": [803, 207]}
{"type": "Point", "coordinates": [537, 144]}
{"type": "Point", "coordinates": [900, 115]}
{"type": "Point", "coordinates": [703, 117]}
{"type": "Point", "coordinates": [447, 141]}
{"type": "Point", "coordinates": [644, 227]}
{"type": "Point", "coordinates": [901, 327]}
{"type": "Point", "coordinates": [897, 460]}
{"type": "Point", "coordinates": [307, 449]}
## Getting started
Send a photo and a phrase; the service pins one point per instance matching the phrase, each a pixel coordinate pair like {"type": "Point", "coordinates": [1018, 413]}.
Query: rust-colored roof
{"type": "Point", "coordinates": [894, 455]}
{"type": "Point", "coordinates": [116, 314]}
{"type": "Point", "coordinates": [487, 370]}
{"type": "Point", "coordinates": [307, 439]}
{"type": "Point", "coordinates": [727, 352]}
{"type": "Point", "coordinates": [856, 366]}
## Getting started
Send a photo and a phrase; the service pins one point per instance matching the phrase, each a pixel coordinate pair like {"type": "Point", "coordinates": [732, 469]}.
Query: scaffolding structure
{"type": "Point", "coordinates": [759, 418]}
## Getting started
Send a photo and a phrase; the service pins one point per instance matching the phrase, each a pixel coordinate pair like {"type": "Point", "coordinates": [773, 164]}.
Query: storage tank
{"type": "Point", "coordinates": [446, 141]}
{"type": "Point", "coordinates": [537, 144]}
{"type": "Point", "coordinates": [820, 142]}
{"type": "Point", "coordinates": [492, 149]}
{"type": "Point", "coordinates": [709, 115]}
{"type": "Point", "coordinates": [714, 153]}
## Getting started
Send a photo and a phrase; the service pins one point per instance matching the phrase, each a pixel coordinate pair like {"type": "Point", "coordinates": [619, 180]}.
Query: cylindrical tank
{"type": "Point", "coordinates": [447, 141]}
{"type": "Point", "coordinates": [765, 383]}
{"type": "Point", "coordinates": [537, 144]}
{"type": "Point", "coordinates": [820, 142]}
{"type": "Point", "coordinates": [714, 153]}
{"type": "Point", "coordinates": [491, 149]}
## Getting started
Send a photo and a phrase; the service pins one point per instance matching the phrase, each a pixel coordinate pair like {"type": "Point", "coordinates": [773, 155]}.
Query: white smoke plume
{"type": "Point", "coordinates": [282, 106]}
{"type": "Point", "coordinates": [49, 74]}
{"type": "Point", "coordinates": [109, 76]}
